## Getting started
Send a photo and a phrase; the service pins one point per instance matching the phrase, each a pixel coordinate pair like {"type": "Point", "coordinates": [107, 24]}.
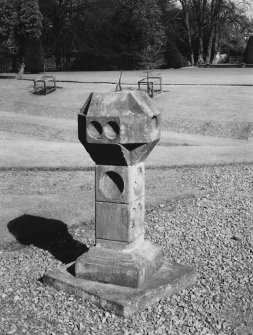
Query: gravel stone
{"type": "Point", "coordinates": [211, 231]}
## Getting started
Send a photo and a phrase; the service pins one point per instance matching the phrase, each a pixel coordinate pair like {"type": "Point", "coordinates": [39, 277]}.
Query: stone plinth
{"type": "Point", "coordinates": [120, 267]}
{"type": "Point", "coordinates": [123, 300]}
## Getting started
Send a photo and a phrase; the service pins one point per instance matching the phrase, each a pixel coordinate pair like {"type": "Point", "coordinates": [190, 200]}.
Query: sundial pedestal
{"type": "Point", "coordinates": [123, 272]}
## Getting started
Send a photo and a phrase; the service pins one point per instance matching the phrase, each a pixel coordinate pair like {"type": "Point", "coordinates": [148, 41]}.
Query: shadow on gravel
{"type": "Point", "coordinates": [47, 234]}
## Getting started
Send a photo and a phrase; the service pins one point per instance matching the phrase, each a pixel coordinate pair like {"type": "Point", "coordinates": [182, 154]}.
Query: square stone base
{"type": "Point", "coordinates": [122, 300]}
{"type": "Point", "coordinates": [130, 268]}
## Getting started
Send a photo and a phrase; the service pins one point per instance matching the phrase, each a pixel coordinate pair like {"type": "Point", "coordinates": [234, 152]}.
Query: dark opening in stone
{"type": "Point", "coordinates": [111, 130]}
{"type": "Point", "coordinates": [94, 129]}
{"type": "Point", "coordinates": [111, 185]}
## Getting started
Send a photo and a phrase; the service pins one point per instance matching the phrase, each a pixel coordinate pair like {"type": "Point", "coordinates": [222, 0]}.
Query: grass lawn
{"type": "Point", "coordinates": [209, 110]}
{"type": "Point", "coordinates": [190, 75]}
{"type": "Point", "coordinates": [201, 216]}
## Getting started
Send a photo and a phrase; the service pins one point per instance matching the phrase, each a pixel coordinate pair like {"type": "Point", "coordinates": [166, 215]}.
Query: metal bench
{"type": "Point", "coordinates": [44, 85]}
{"type": "Point", "coordinates": [151, 82]}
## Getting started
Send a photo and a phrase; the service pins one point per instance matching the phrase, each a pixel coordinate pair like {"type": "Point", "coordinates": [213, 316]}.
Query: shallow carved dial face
{"type": "Point", "coordinates": [111, 130]}
{"type": "Point", "coordinates": [94, 130]}
{"type": "Point", "coordinates": [111, 185]}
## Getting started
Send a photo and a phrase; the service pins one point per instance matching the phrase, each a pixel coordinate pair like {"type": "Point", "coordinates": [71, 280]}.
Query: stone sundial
{"type": "Point", "coordinates": [123, 272]}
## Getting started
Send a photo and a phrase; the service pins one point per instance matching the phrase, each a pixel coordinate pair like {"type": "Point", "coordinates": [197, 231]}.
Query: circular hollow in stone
{"type": "Point", "coordinates": [111, 130]}
{"type": "Point", "coordinates": [94, 129]}
{"type": "Point", "coordinates": [111, 185]}
{"type": "Point", "coordinates": [154, 126]}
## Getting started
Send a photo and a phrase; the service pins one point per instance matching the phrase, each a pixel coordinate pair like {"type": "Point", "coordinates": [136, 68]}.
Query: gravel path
{"type": "Point", "coordinates": [211, 231]}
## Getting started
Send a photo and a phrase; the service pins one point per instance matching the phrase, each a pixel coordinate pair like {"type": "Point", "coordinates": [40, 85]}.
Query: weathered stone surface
{"type": "Point", "coordinates": [120, 267]}
{"type": "Point", "coordinates": [122, 300]}
{"type": "Point", "coordinates": [119, 222]}
{"type": "Point", "coordinates": [121, 117]}
{"type": "Point", "coordinates": [120, 184]}
{"type": "Point", "coordinates": [115, 154]}
{"type": "Point", "coordinates": [118, 128]}
{"type": "Point", "coordinates": [120, 245]}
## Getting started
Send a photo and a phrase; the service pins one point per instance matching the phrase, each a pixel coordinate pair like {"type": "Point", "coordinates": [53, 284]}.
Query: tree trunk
{"type": "Point", "coordinates": [216, 6]}
{"type": "Point", "coordinates": [201, 48]}
{"type": "Point", "coordinates": [191, 51]}
{"type": "Point", "coordinates": [200, 8]}
{"type": "Point", "coordinates": [210, 39]}
{"type": "Point", "coordinates": [187, 24]}
{"type": "Point", "coordinates": [215, 44]}
{"type": "Point", "coordinates": [185, 4]}
{"type": "Point", "coordinates": [210, 47]}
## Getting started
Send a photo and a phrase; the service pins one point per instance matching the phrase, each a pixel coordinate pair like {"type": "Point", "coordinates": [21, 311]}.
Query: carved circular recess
{"type": "Point", "coordinates": [154, 125]}
{"type": "Point", "coordinates": [111, 130]}
{"type": "Point", "coordinates": [111, 185]}
{"type": "Point", "coordinates": [94, 130]}
{"type": "Point", "coordinates": [138, 181]}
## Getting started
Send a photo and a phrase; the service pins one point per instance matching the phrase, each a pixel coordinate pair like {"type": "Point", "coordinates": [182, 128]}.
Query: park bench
{"type": "Point", "coordinates": [44, 85]}
{"type": "Point", "coordinates": [151, 83]}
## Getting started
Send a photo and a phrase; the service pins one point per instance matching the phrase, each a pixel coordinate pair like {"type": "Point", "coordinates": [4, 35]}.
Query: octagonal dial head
{"type": "Point", "coordinates": [120, 118]}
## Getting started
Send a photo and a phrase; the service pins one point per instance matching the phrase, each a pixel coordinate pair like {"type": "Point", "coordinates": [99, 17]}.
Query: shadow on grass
{"type": "Point", "coordinates": [47, 234]}
{"type": "Point", "coordinates": [7, 77]}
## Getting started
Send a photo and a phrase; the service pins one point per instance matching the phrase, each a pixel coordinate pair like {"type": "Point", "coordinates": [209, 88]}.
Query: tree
{"type": "Point", "coordinates": [34, 59]}
{"type": "Point", "coordinates": [200, 13]}
{"type": "Point", "coordinates": [213, 23]}
{"type": "Point", "coordinates": [59, 33]}
{"type": "Point", "coordinates": [29, 32]}
{"type": "Point", "coordinates": [186, 10]}
{"type": "Point", "coordinates": [8, 23]}
{"type": "Point", "coordinates": [149, 58]}
{"type": "Point", "coordinates": [216, 6]}
{"type": "Point", "coordinates": [173, 57]}
{"type": "Point", "coordinates": [230, 28]}
{"type": "Point", "coordinates": [30, 19]}
{"type": "Point", "coordinates": [20, 21]}
{"type": "Point", "coordinates": [150, 32]}
{"type": "Point", "coordinates": [117, 34]}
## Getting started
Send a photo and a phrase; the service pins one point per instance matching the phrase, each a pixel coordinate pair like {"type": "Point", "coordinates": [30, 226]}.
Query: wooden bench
{"type": "Point", "coordinates": [48, 85]}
